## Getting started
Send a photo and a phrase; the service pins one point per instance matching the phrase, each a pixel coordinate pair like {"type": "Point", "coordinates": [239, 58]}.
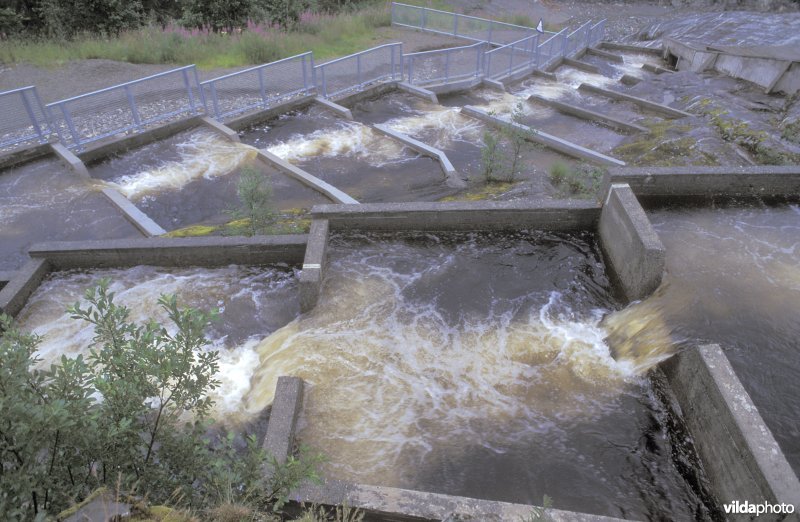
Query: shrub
{"type": "Point", "coordinates": [558, 173]}
{"type": "Point", "coordinates": [490, 157]}
{"type": "Point", "coordinates": [581, 181]}
{"type": "Point", "coordinates": [255, 196]}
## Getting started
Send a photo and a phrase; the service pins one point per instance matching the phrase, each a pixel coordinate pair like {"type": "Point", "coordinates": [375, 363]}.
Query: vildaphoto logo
{"type": "Point", "coordinates": [764, 508]}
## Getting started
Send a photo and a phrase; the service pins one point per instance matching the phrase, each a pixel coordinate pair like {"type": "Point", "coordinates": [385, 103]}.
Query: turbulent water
{"type": "Point", "coordinates": [252, 302]}
{"type": "Point", "coordinates": [733, 278]}
{"type": "Point", "coordinates": [475, 366]}
{"type": "Point", "coordinates": [203, 155]}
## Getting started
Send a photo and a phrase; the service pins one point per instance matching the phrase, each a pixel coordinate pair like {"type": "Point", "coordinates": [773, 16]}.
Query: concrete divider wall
{"type": "Point", "coordinates": [741, 457]}
{"type": "Point", "coordinates": [313, 271]}
{"type": "Point", "coordinates": [283, 415]}
{"type": "Point", "coordinates": [194, 251]}
{"type": "Point", "coordinates": [634, 251]}
{"type": "Point", "coordinates": [24, 282]}
{"type": "Point", "coordinates": [671, 182]}
{"type": "Point", "coordinates": [563, 215]}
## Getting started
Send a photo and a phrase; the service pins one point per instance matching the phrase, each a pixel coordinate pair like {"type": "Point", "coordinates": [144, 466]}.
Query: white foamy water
{"type": "Point", "coordinates": [205, 155]}
{"type": "Point", "coordinates": [391, 377]}
{"type": "Point", "coordinates": [445, 125]}
{"type": "Point", "coordinates": [349, 140]}
{"type": "Point", "coordinates": [575, 77]}
{"type": "Point", "coordinates": [244, 292]}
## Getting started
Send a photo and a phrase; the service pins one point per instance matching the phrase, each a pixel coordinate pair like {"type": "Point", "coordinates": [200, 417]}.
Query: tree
{"type": "Point", "coordinates": [219, 15]}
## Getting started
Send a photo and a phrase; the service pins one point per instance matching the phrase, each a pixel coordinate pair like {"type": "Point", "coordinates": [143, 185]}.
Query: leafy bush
{"type": "Point", "coordinates": [133, 415]}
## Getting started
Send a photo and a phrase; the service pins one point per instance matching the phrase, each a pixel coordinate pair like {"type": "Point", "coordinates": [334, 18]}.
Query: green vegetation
{"type": "Point", "coordinates": [539, 514]}
{"type": "Point", "coordinates": [256, 213]}
{"type": "Point", "coordinates": [132, 418]}
{"type": "Point", "coordinates": [666, 145]}
{"type": "Point", "coordinates": [482, 192]}
{"type": "Point", "coordinates": [581, 181]}
{"type": "Point", "coordinates": [326, 34]}
{"type": "Point", "coordinates": [739, 132]}
{"type": "Point", "coordinates": [502, 156]}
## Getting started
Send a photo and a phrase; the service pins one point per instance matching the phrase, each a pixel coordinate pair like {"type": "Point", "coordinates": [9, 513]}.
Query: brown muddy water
{"type": "Point", "coordinates": [733, 278]}
{"type": "Point", "coordinates": [192, 177]}
{"type": "Point", "coordinates": [43, 201]}
{"type": "Point", "coordinates": [253, 302]}
{"type": "Point", "coordinates": [475, 365]}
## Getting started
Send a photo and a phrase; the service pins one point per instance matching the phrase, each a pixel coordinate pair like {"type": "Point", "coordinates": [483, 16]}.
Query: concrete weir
{"type": "Point", "coordinates": [586, 114]}
{"type": "Point", "coordinates": [304, 177]}
{"type": "Point", "coordinates": [313, 271]}
{"type": "Point", "coordinates": [741, 457]}
{"type": "Point", "coordinates": [537, 136]}
{"type": "Point", "coordinates": [641, 102]}
{"type": "Point", "coordinates": [634, 251]}
{"type": "Point", "coordinates": [706, 182]}
{"type": "Point", "coordinates": [449, 171]}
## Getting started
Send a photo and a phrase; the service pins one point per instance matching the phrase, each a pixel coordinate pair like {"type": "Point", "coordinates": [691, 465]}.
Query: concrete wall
{"type": "Point", "coordinates": [24, 282]}
{"type": "Point", "coordinates": [457, 215]}
{"type": "Point", "coordinates": [703, 182]}
{"type": "Point", "coordinates": [314, 264]}
{"type": "Point", "coordinates": [634, 252]}
{"type": "Point", "coordinates": [194, 251]}
{"type": "Point", "coordinates": [740, 455]}
{"type": "Point", "coordinates": [21, 156]}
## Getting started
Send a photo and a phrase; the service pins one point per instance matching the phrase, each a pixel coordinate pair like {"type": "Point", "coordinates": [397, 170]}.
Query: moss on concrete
{"type": "Point", "coordinates": [483, 192]}
{"type": "Point", "coordinates": [667, 145]}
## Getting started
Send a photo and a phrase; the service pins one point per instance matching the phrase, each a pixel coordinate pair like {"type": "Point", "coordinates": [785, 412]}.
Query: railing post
{"type": "Point", "coordinates": [324, 83]}
{"type": "Point", "coordinates": [215, 100]}
{"type": "Point", "coordinates": [538, 54]}
{"type": "Point", "coordinates": [393, 15]}
{"type": "Point", "coordinates": [455, 24]}
{"type": "Point", "coordinates": [564, 44]}
{"type": "Point", "coordinates": [358, 70]}
{"type": "Point", "coordinates": [262, 89]}
{"type": "Point", "coordinates": [424, 18]}
{"type": "Point", "coordinates": [188, 90]}
{"type": "Point", "coordinates": [32, 115]}
{"type": "Point", "coordinates": [446, 66]}
{"type": "Point", "coordinates": [393, 64]}
{"type": "Point", "coordinates": [489, 38]}
{"type": "Point", "coordinates": [305, 74]}
{"type": "Point", "coordinates": [511, 59]}
{"type": "Point", "coordinates": [313, 74]}
{"type": "Point", "coordinates": [71, 125]}
{"type": "Point", "coordinates": [200, 91]}
{"type": "Point", "coordinates": [132, 104]}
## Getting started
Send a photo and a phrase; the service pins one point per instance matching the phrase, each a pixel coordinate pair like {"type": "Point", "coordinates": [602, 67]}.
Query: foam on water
{"type": "Point", "coordinates": [348, 139]}
{"type": "Point", "coordinates": [204, 155]}
{"type": "Point", "coordinates": [446, 125]}
{"type": "Point", "coordinates": [236, 288]}
{"type": "Point", "coordinates": [392, 376]}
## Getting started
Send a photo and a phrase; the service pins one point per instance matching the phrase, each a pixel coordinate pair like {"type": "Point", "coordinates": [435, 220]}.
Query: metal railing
{"type": "Point", "coordinates": [24, 120]}
{"type": "Point", "coordinates": [550, 50]}
{"type": "Point", "coordinates": [128, 107]}
{"type": "Point", "coordinates": [354, 72]}
{"type": "Point", "coordinates": [259, 87]}
{"type": "Point", "coordinates": [596, 33]}
{"type": "Point", "coordinates": [516, 56]}
{"type": "Point", "coordinates": [461, 26]}
{"type": "Point", "coordinates": [577, 41]}
{"type": "Point", "coordinates": [444, 65]}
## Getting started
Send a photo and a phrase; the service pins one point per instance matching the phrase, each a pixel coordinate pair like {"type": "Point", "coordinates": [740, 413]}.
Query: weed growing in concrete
{"type": "Point", "coordinates": [539, 514]}
{"type": "Point", "coordinates": [256, 213]}
{"type": "Point", "coordinates": [491, 157]}
{"type": "Point", "coordinates": [581, 181]}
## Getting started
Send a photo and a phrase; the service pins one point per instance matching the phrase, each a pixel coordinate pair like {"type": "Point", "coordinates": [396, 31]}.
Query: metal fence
{"type": "Point", "coordinates": [259, 87]}
{"type": "Point", "coordinates": [504, 61]}
{"type": "Point", "coordinates": [24, 120]}
{"type": "Point", "coordinates": [454, 24]}
{"type": "Point", "coordinates": [354, 72]}
{"type": "Point", "coordinates": [577, 40]}
{"type": "Point", "coordinates": [128, 107]}
{"type": "Point", "coordinates": [597, 33]}
{"type": "Point", "coordinates": [550, 50]}
{"type": "Point", "coordinates": [444, 65]}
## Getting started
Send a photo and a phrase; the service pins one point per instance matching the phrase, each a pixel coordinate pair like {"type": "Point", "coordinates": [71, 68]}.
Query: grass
{"type": "Point", "coordinates": [292, 221]}
{"type": "Point", "coordinates": [327, 36]}
{"type": "Point", "coordinates": [581, 181]}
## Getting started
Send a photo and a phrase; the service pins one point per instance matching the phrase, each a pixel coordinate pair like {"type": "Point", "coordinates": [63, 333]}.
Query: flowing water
{"type": "Point", "coordinates": [192, 178]}
{"type": "Point", "coordinates": [475, 365]}
{"type": "Point", "coordinates": [733, 278]}
{"type": "Point", "coordinates": [43, 201]}
{"type": "Point", "coordinates": [351, 156]}
{"type": "Point", "coordinates": [253, 302]}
